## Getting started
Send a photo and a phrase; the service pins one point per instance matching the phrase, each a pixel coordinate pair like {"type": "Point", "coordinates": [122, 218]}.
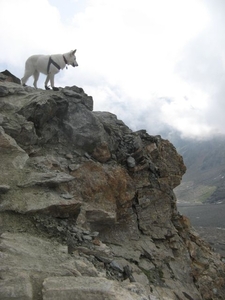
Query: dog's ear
{"type": "Point", "coordinates": [73, 52]}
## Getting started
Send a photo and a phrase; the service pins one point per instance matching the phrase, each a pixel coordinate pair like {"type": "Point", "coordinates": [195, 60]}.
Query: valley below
{"type": "Point", "coordinates": [209, 222]}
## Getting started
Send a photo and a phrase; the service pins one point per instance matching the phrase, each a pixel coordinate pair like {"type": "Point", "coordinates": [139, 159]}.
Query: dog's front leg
{"type": "Point", "coordinates": [46, 82]}
{"type": "Point", "coordinates": [52, 82]}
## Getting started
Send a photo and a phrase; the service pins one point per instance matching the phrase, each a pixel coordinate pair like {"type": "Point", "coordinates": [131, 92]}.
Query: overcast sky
{"type": "Point", "coordinates": [151, 62]}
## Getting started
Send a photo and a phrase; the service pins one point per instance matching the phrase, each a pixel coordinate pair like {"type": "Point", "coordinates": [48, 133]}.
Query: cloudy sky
{"type": "Point", "coordinates": [154, 63]}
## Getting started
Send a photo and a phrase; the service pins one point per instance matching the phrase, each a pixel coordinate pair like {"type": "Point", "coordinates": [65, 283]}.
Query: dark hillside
{"type": "Point", "coordinates": [204, 180]}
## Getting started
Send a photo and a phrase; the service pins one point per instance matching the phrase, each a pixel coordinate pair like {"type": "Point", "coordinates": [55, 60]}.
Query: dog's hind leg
{"type": "Point", "coordinates": [26, 76]}
{"type": "Point", "coordinates": [36, 76]}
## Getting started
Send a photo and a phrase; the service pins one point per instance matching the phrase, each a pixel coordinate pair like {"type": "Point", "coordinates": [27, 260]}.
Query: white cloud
{"type": "Point", "coordinates": [26, 25]}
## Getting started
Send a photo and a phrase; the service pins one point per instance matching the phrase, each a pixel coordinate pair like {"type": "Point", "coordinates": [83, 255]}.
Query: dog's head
{"type": "Point", "coordinates": [71, 58]}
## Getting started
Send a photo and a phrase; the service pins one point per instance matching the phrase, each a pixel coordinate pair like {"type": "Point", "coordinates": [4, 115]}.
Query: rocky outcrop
{"type": "Point", "coordinates": [87, 208]}
{"type": "Point", "coordinates": [7, 76]}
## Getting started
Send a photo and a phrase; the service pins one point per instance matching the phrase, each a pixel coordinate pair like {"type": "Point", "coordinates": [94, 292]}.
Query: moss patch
{"type": "Point", "coordinates": [155, 276]}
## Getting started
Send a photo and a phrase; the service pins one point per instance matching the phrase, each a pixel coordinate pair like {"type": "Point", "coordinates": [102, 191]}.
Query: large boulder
{"type": "Point", "coordinates": [87, 207]}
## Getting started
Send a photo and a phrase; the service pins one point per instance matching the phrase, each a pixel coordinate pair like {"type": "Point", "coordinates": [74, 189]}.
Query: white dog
{"type": "Point", "coordinates": [48, 65]}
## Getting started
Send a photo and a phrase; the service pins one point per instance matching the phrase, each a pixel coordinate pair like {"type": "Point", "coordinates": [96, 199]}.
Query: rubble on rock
{"type": "Point", "coordinates": [87, 208]}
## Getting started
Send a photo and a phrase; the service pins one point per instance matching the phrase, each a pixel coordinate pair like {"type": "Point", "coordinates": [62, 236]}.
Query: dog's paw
{"type": "Point", "coordinates": [55, 88]}
{"type": "Point", "coordinates": [47, 88]}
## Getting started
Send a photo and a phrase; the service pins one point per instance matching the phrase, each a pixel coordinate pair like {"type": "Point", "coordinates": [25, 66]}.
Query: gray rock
{"type": "Point", "coordinates": [19, 287]}
{"type": "Point", "coordinates": [131, 162]}
{"type": "Point", "coordinates": [49, 203]}
{"type": "Point", "coordinates": [9, 77]}
{"type": "Point", "coordinates": [25, 257]}
{"type": "Point", "coordinates": [4, 188]}
{"type": "Point", "coordinates": [87, 237]}
{"type": "Point", "coordinates": [73, 167]}
{"type": "Point", "coordinates": [71, 93]}
{"type": "Point", "coordinates": [20, 160]}
{"type": "Point", "coordinates": [115, 265]}
{"type": "Point", "coordinates": [49, 179]}
{"type": "Point", "coordinates": [67, 196]}
{"type": "Point", "coordinates": [3, 91]}
{"type": "Point", "coordinates": [7, 143]}
{"type": "Point", "coordinates": [94, 234]}
{"type": "Point", "coordinates": [20, 129]}
{"type": "Point", "coordinates": [69, 156]}
{"type": "Point", "coordinates": [130, 203]}
{"type": "Point", "coordinates": [87, 288]}
{"type": "Point", "coordinates": [83, 128]}
{"type": "Point", "coordinates": [42, 109]}
{"type": "Point", "coordinates": [10, 88]}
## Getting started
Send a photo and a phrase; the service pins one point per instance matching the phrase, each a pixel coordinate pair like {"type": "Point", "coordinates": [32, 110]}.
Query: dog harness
{"type": "Point", "coordinates": [51, 61]}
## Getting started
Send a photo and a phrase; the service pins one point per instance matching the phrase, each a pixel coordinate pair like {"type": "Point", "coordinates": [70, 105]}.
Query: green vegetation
{"type": "Point", "coordinates": [154, 275]}
{"type": "Point", "coordinates": [194, 193]}
{"type": "Point", "coordinates": [209, 191]}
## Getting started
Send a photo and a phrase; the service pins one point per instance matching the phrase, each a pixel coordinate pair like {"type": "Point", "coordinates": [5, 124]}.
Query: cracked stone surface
{"type": "Point", "coordinates": [87, 202]}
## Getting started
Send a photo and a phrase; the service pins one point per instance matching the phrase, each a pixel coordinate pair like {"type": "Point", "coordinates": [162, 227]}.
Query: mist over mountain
{"type": "Point", "coordinates": [204, 180]}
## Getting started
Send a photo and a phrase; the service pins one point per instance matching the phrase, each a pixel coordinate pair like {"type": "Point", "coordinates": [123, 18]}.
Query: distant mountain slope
{"type": "Point", "coordinates": [204, 180]}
